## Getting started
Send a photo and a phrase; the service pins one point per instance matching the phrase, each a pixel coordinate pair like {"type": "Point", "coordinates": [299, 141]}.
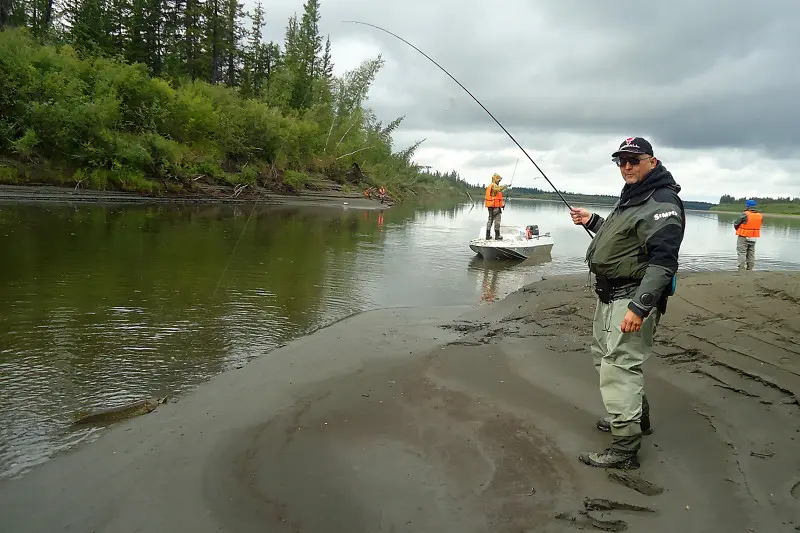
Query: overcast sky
{"type": "Point", "coordinates": [713, 84]}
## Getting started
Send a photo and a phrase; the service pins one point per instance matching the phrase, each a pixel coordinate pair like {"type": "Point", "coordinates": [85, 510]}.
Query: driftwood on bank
{"type": "Point", "coordinates": [120, 412]}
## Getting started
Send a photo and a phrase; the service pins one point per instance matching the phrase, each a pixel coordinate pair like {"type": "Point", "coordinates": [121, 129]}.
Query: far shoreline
{"type": "Point", "coordinates": [37, 193]}
{"type": "Point", "coordinates": [766, 215]}
{"type": "Point", "coordinates": [609, 206]}
{"type": "Point", "coordinates": [21, 194]}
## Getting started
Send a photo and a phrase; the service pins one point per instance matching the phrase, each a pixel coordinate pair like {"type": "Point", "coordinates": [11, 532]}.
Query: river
{"type": "Point", "coordinates": [106, 304]}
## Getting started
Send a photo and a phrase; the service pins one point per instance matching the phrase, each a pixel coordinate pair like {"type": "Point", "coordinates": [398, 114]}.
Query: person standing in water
{"type": "Point", "coordinates": [494, 202]}
{"type": "Point", "coordinates": [748, 229]}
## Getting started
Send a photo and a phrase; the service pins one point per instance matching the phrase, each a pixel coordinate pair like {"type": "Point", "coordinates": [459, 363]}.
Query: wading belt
{"type": "Point", "coordinates": [613, 289]}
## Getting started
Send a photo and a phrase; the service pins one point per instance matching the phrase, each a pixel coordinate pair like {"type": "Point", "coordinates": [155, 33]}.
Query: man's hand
{"type": "Point", "coordinates": [580, 216]}
{"type": "Point", "coordinates": [631, 322]}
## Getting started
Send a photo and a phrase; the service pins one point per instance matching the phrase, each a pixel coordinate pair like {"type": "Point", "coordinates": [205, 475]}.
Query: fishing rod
{"type": "Point", "coordinates": [479, 103]}
{"type": "Point", "coordinates": [513, 173]}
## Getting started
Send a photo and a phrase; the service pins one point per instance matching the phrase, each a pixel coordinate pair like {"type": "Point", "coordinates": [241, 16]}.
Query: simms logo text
{"type": "Point", "coordinates": [659, 216]}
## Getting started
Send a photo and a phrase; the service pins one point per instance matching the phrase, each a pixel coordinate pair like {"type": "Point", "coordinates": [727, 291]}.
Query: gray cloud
{"type": "Point", "coordinates": [694, 77]}
{"type": "Point", "coordinates": [491, 160]}
{"type": "Point", "coordinates": [692, 74]}
{"type": "Point", "coordinates": [473, 140]}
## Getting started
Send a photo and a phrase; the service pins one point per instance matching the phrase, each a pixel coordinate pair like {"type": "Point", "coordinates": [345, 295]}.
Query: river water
{"type": "Point", "coordinates": [100, 305]}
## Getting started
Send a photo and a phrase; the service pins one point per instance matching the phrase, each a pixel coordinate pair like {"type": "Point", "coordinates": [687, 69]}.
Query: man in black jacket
{"type": "Point", "coordinates": [634, 256]}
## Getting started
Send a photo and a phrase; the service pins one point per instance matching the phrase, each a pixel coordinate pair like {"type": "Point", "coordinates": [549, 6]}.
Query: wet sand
{"type": "Point", "coordinates": [461, 420]}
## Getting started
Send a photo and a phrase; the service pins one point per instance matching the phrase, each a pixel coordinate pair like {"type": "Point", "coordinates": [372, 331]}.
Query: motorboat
{"type": "Point", "coordinates": [516, 243]}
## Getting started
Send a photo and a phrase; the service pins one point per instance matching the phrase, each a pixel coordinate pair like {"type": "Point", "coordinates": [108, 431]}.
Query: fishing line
{"type": "Point", "coordinates": [479, 103]}
{"type": "Point", "coordinates": [263, 193]}
{"type": "Point", "coordinates": [258, 198]}
{"type": "Point", "coordinates": [709, 216]}
{"type": "Point", "coordinates": [513, 173]}
{"type": "Point", "coordinates": [247, 220]}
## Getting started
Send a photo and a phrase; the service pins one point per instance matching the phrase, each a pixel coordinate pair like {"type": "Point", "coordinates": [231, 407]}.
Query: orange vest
{"type": "Point", "coordinates": [493, 201]}
{"type": "Point", "coordinates": [751, 227]}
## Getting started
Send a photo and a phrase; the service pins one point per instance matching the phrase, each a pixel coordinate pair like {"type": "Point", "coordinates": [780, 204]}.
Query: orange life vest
{"type": "Point", "coordinates": [751, 227]}
{"type": "Point", "coordinates": [493, 201]}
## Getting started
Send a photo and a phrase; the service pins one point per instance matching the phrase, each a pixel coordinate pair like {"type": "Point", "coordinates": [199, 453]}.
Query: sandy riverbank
{"type": "Point", "coordinates": [48, 193]}
{"type": "Point", "coordinates": [460, 420]}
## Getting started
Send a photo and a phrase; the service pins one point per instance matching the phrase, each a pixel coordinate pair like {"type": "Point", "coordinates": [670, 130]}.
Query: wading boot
{"type": "Point", "coordinates": [604, 424]}
{"type": "Point", "coordinates": [488, 235]}
{"type": "Point", "coordinates": [611, 458]}
{"type": "Point", "coordinates": [497, 236]}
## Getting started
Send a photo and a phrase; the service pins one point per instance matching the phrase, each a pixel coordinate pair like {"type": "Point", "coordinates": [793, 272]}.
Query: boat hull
{"type": "Point", "coordinates": [497, 251]}
{"type": "Point", "coordinates": [514, 245]}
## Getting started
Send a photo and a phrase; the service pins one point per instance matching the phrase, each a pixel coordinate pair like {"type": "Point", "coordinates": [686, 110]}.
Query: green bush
{"type": "Point", "coordinates": [113, 125]}
{"type": "Point", "coordinates": [295, 180]}
{"type": "Point", "coordinates": [8, 175]}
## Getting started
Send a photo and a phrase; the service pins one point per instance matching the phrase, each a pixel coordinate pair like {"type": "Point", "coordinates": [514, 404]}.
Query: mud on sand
{"type": "Point", "coordinates": [461, 420]}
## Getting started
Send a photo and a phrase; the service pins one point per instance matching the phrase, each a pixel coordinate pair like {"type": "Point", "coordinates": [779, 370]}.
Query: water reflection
{"type": "Point", "coordinates": [102, 305]}
{"type": "Point", "coordinates": [498, 278]}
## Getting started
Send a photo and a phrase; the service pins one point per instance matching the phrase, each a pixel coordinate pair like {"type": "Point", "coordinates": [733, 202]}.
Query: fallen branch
{"type": "Point", "coordinates": [355, 152]}
{"type": "Point", "coordinates": [353, 123]}
{"type": "Point", "coordinates": [237, 190]}
{"type": "Point", "coordinates": [328, 138]}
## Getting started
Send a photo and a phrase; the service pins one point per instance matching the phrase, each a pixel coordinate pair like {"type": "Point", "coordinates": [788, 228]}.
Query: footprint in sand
{"type": "Point", "coordinates": [795, 490]}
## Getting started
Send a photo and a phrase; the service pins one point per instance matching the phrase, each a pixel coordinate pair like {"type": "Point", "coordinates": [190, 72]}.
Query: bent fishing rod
{"type": "Point", "coordinates": [513, 173]}
{"type": "Point", "coordinates": [479, 103]}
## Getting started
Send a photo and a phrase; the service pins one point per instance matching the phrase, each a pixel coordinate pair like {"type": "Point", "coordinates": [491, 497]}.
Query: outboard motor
{"type": "Point", "coordinates": [531, 231]}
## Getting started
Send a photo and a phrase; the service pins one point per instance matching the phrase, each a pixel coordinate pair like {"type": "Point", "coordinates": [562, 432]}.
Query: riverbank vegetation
{"type": "Point", "coordinates": [160, 97]}
{"type": "Point", "coordinates": [774, 206]}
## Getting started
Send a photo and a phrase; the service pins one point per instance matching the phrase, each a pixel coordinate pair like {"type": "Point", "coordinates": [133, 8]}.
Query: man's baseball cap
{"type": "Point", "coordinates": [634, 145]}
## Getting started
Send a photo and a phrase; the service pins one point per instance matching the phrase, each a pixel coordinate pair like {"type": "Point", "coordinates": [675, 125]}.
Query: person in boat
{"type": "Point", "coordinates": [494, 203]}
{"type": "Point", "coordinates": [748, 229]}
{"type": "Point", "coordinates": [634, 256]}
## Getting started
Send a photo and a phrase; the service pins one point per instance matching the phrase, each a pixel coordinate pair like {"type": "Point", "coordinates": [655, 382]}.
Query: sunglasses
{"type": "Point", "coordinates": [634, 161]}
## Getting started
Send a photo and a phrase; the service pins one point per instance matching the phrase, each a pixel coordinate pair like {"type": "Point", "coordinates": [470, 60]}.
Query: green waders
{"type": "Point", "coordinates": [618, 359]}
{"type": "Point", "coordinates": [495, 214]}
